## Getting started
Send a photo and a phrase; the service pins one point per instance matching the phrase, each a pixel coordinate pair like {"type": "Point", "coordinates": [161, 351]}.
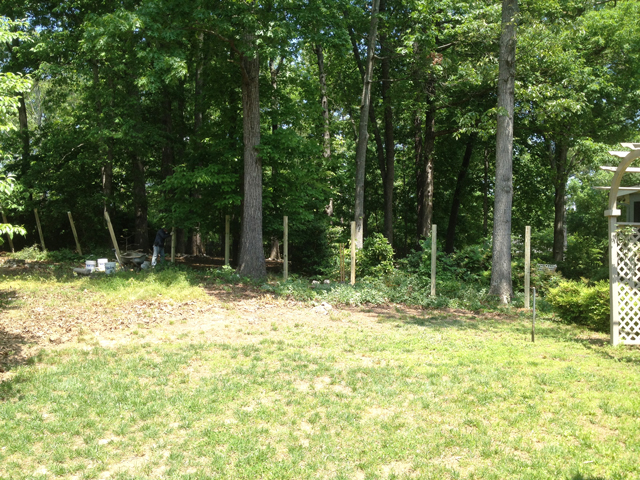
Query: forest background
{"type": "Point", "coordinates": [139, 109]}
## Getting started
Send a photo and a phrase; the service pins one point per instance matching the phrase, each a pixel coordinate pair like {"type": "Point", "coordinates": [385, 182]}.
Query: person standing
{"type": "Point", "coordinates": [158, 246]}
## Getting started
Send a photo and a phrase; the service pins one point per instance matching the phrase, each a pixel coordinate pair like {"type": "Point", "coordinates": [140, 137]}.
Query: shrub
{"type": "Point", "coordinates": [375, 258]}
{"type": "Point", "coordinates": [578, 302]}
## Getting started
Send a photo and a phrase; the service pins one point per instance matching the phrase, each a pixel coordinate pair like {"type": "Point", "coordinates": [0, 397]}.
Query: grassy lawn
{"type": "Point", "coordinates": [258, 389]}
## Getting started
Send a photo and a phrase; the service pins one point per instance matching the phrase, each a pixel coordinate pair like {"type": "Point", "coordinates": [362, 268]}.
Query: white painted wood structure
{"type": "Point", "coordinates": [624, 255]}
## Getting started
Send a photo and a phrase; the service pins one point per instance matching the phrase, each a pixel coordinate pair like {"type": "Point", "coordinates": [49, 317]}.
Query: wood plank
{"type": "Point", "coordinates": [632, 146]}
{"type": "Point", "coordinates": [614, 169]}
{"type": "Point", "coordinates": [620, 189]}
{"type": "Point", "coordinates": [618, 154]}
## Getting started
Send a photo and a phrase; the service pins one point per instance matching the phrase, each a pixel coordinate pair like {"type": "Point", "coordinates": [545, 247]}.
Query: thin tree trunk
{"type": "Point", "coordinates": [168, 155]}
{"type": "Point", "coordinates": [363, 136]}
{"type": "Point", "coordinates": [140, 203]}
{"type": "Point", "coordinates": [560, 184]}
{"type": "Point", "coordinates": [24, 133]}
{"type": "Point", "coordinates": [457, 194]}
{"type": "Point", "coordinates": [251, 258]}
{"type": "Point", "coordinates": [326, 136]}
{"type": "Point", "coordinates": [388, 173]}
{"type": "Point", "coordinates": [485, 195]}
{"type": "Point", "coordinates": [501, 270]}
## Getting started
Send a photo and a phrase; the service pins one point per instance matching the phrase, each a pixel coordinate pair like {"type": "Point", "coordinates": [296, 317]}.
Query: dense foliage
{"type": "Point", "coordinates": [139, 109]}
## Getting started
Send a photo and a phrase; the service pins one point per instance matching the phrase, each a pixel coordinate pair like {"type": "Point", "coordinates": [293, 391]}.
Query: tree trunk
{"type": "Point", "coordinates": [485, 195]}
{"type": "Point", "coordinates": [501, 269]}
{"type": "Point", "coordinates": [388, 173]}
{"type": "Point", "coordinates": [457, 194]}
{"type": "Point", "coordinates": [326, 136]}
{"type": "Point", "coordinates": [140, 203]}
{"type": "Point", "coordinates": [166, 169]}
{"type": "Point", "coordinates": [24, 133]}
{"type": "Point", "coordinates": [251, 258]}
{"type": "Point", "coordinates": [275, 249]}
{"type": "Point", "coordinates": [560, 184]}
{"type": "Point", "coordinates": [425, 175]}
{"type": "Point", "coordinates": [363, 136]}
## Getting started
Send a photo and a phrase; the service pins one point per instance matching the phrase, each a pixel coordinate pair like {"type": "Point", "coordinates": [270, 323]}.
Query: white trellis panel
{"type": "Point", "coordinates": [628, 283]}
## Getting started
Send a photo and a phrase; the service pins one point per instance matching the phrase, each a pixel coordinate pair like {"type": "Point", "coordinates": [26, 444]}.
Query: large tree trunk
{"type": "Point", "coordinates": [501, 269]}
{"type": "Point", "coordinates": [251, 257]}
{"type": "Point", "coordinates": [388, 172]}
{"type": "Point", "coordinates": [457, 195]}
{"type": "Point", "coordinates": [425, 185]}
{"type": "Point", "coordinates": [363, 135]}
{"type": "Point", "coordinates": [140, 203]}
{"type": "Point", "coordinates": [559, 163]}
{"type": "Point", "coordinates": [326, 136]}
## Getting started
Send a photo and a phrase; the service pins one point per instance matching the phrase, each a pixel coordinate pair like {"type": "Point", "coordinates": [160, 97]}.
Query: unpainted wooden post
{"type": "Point", "coordinates": [173, 245]}
{"type": "Point", "coordinates": [285, 248]}
{"type": "Point", "coordinates": [35, 211]}
{"type": "Point", "coordinates": [4, 220]}
{"type": "Point", "coordinates": [353, 253]}
{"type": "Point", "coordinates": [434, 248]}
{"type": "Point", "coordinates": [227, 238]}
{"type": "Point", "coordinates": [75, 234]}
{"type": "Point", "coordinates": [527, 266]}
{"type": "Point", "coordinates": [113, 237]}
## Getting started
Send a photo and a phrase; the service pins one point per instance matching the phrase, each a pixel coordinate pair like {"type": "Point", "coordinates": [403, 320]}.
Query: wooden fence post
{"type": "Point", "coordinates": [113, 236]}
{"type": "Point", "coordinates": [527, 265]}
{"type": "Point", "coordinates": [75, 234]}
{"type": "Point", "coordinates": [4, 220]}
{"type": "Point", "coordinates": [285, 248]}
{"type": "Point", "coordinates": [353, 253]}
{"type": "Point", "coordinates": [35, 211]}
{"type": "Point", "coordinates": [227, 238]}
{"type": "Point", "coordinates": [434, 247]}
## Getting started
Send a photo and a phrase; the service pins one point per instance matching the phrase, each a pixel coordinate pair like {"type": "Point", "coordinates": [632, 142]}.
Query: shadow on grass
{"type": "Point", "coordinates": [14, 351]}
{"type": "Point", "coordinates": [579, 476]}
{"type": "Point", "coordinates": [459, 319]}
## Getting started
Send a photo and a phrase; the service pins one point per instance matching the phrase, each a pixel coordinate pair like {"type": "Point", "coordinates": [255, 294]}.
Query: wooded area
{"type": "Point", "coordinates": [170, 113]}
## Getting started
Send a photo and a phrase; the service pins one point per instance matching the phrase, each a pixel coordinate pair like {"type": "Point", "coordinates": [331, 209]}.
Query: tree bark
{"type": "Point", "coordinates": [140, 203]}
{"type": "Point", "coordinates": [363, 135]}
{"type": "Point", "coordinates": [23, 125]}
{"type": "Point", "coordinates": [326, 136]}
{"type": "Point", "coordinates": [388, 172]}
{"type": "Point", "coordinates": [559, 164]}
{"type": "Point", "coordinates": [424, 176]}
{"type": "Point", "coordinates": [501, 270]}
{"type": "Point", "coordinates": [485, 195]}
{"type": "Point", "coordinates": [457, 194]}
{"type": "Point", "coordinates": [251, 261]}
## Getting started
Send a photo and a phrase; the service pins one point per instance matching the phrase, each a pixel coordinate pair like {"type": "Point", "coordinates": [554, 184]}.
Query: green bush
{"type": "Point", "coordinates": [375, 258]}
{"type": "Point", "coordinates": [581, 303]}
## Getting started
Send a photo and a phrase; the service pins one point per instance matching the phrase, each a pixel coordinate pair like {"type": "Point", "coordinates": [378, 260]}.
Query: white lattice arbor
{"type": "Point", "coordinates": [624, 256]}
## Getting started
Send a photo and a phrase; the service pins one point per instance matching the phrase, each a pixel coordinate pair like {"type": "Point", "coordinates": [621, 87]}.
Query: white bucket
{"type": "Point", "coordinates": [110, 267]}
{"type": "Point", "coordinates": [90, 265]}
{"type": "Point", "coordinates": [101, 263]}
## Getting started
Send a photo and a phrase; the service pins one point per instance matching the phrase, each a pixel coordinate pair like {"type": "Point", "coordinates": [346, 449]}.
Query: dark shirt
{"type": "Point", "coordinates": [160, 237]}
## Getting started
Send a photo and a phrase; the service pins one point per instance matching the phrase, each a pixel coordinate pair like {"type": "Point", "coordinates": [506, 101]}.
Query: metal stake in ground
{"type": "Point", "coordinates": [227, 238]}
{"type": "Point", "coordinates": [35, 211]}
{"type": "Point", "coordinates": [353, 253]}
{"type": "Point", "coordinates": [527, 265]}
{"type": "Point", "coordinates": [533, 321]}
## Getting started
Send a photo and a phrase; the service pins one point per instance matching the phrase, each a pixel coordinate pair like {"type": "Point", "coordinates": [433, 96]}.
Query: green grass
{"type": "Point", "coordinates": [431, 396]}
